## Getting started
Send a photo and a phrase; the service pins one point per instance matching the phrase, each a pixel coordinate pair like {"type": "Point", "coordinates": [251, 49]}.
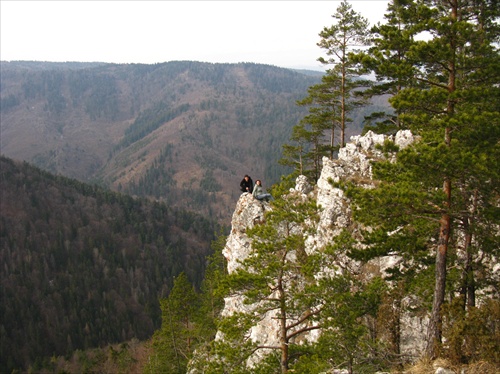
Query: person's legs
{"type": "Point", "coordinates": [265, 196]}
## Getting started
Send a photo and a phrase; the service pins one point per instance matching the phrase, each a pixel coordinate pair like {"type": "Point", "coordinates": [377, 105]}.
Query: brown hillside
{"type": "Point", "coordinates": [181, 132]}
{"type": "Point", "coordinates": [109, 123]}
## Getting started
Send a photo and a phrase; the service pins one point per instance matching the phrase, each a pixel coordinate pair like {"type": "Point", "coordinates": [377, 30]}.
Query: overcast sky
{"type": "Point", "coordinates": [281, 33]}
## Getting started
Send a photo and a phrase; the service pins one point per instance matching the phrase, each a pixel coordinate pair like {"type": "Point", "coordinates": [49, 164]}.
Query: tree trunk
{"type": "Point", "coordinates": [342, 107]}
{"type": "Point", "coordinates": [434, 332]}
{"type": "Point", "coordinates": [396, 323]}
{"type": "Point", "coordinates": [350, 366]}
{"type": "Point", "coordinates": [283, 330]}
{"type": "Point", "coordinates": [434, 329]}
{"type": "Point", "coordinates": [343, 93]}
{"type": "Point", "coordinates": [468, 283]}
{"type": "Point", "coordinates": [468, 290]}
{"type": "Point", "coordinates": [332, 139]}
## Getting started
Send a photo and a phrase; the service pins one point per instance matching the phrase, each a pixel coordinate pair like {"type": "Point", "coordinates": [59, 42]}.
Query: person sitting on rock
{"type": "Point", "coordinates": [259, 193]}
{"type": "Point", "coordinates": [246, 185]}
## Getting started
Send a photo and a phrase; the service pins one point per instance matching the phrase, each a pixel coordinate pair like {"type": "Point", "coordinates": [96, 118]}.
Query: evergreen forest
{"type": "Point", "coordinates": [84, 267]}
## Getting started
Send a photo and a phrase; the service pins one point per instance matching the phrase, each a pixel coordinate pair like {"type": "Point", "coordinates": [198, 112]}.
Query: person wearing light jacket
{"type": "Point", "coordinates": [259, 193]}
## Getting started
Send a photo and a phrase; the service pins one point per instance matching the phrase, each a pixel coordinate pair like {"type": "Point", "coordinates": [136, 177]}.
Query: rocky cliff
{"type": "Point", "coordinates": [353, 164]}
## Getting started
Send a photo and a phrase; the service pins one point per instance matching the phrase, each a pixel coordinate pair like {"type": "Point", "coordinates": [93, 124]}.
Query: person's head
{"type": "Point", "coordinates": [258, 181]}
{"type": "Point", "coordinates": [247, 177]}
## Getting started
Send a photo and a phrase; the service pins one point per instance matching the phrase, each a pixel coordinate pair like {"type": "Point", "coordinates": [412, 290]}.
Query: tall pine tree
{"type": "Point", "coordinates": [442, 194]}
{"type": "Point", "coordinates": [347, 35]}
{"type": "Point", "coordinates": [330, 101]}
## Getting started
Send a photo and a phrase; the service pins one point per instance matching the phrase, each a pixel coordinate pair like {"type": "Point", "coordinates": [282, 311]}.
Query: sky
{"type": "Point", "coordinates": [281, 33]}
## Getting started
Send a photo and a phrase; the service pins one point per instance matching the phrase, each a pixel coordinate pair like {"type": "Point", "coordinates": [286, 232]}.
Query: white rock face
{"type": "Point", "coordinates": [248, 212]}
{"type": "Point", "coordinates": [404, 138]}
{"type": "Point", "coordinates": [353, 163]}
{"type": "Point", "coordinates": [302, 185]}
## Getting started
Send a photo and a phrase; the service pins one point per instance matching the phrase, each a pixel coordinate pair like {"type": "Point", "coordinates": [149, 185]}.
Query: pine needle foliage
{"type": "Point", "coordinates": [440, 197]}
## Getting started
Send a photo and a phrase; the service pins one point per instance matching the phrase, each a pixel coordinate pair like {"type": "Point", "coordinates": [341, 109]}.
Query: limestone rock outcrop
{"type": "Point", "coordinates": [354, 164]}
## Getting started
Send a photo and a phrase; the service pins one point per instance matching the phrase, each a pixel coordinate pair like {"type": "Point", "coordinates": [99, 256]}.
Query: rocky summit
{"type": "Point", "coordinates": [353, 164]}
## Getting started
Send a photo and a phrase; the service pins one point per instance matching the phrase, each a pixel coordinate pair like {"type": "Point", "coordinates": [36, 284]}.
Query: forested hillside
{"type": "Point", "coordinates": [182, 132]}
{"type": "Point", "coordinates": [83, 266]}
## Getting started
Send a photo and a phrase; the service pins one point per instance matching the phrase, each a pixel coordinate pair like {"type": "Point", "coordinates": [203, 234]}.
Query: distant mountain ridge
{"type": "Point", "coordinates": [182, 132]}
{"type": "Point", "coordinates": [179, 126]}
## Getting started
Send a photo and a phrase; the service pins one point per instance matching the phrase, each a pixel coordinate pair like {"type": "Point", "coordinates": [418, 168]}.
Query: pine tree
{"type": "Point", "coordinates": [189, 317]}
{"type": "Point", "coordinates": [388, 59]}
{"type": "Point", "coordinates": [212, 292]}
{"type": "Point", "coordinates": [324, 117]}
{"type": "Point", "coordinates": [278, 283]}
{"type": "Point", "coordinates": [311, 142]}
{"type": "Point", "coordinates": [346, 36]}
{"type": "Point", "coordinates": [175, 341]}
{"type": "Point", "coordinates": [273, 283]}
{"type": "Point", "coordinates": [345, 339]}
{"type": "Point", "coordinates": [330, 101]}
{"type": "Point", "coordinates": [442, 193]}
{"type": "Point", "coordinates": [347, 307]}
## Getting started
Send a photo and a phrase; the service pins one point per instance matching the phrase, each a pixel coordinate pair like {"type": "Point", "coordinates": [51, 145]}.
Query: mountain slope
{"type": "Point", "coordinates": [83, 266]}
{"type": "Point", "coordinates": [192, 129]}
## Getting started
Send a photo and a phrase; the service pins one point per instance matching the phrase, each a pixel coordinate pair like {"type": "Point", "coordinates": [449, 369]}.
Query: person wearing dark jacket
{"type": "Point", "coordinates": [246, 185]}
